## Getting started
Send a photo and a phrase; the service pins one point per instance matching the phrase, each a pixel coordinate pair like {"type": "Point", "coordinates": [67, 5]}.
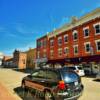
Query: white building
{"type": "Point", "coordinates": [1, 57]}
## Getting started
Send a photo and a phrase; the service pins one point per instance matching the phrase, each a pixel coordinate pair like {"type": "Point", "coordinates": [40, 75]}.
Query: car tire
{"type": "Point", "coordinates": [24, 91]}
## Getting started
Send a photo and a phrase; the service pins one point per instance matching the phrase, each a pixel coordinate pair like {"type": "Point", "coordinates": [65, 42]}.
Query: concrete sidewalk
{"type": "Point", "coordinates": [4, 93]}
{"type": "Point", "coordinates": [10, 80]}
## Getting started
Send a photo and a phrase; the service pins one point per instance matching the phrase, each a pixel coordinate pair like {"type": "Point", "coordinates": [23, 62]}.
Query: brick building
{"type": "Point", "coordinates": [74, 43]}
{"type": "Point", "coordinates": [7, 61]}
{"type": "Point", "coordinates": [31, 58]}
{"type": "Point", "coordinates": [19, 59]}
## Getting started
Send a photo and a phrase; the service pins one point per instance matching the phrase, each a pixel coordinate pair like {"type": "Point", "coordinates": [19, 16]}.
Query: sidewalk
{"type": "Point", "coordinates": [4, 93]}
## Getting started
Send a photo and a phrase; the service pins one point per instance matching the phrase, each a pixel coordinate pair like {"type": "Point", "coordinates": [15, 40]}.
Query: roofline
{"type": "Point", "coordinates": [87, 17]}
{"type": "Point", "coordinates": [42, 37]}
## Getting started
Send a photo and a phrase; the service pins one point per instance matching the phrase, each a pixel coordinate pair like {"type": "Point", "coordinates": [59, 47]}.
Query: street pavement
{"type": "Point", "coordinates": [10, 80]}
{"type": "Point", "coordinates": [91, 89]}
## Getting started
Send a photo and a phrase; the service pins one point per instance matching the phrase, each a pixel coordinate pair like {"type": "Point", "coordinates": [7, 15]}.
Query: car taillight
{"type": "Point", "coordinates": [61, 85]}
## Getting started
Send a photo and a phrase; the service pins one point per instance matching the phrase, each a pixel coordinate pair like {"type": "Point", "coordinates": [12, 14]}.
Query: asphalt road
{"type": "Point", "coordinates": [11, 79]}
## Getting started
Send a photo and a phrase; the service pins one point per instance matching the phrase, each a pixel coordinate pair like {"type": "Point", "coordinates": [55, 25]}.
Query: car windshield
{"type": "Point", "coordinates": [69, 76]}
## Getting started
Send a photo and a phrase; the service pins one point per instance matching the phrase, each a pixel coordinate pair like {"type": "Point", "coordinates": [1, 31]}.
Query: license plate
{"type": "Point", "coordinates": [76, 83]}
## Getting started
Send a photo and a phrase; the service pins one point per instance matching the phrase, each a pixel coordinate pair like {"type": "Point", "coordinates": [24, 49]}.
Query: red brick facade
{"type": "Point", "coordinates": [64, 51]}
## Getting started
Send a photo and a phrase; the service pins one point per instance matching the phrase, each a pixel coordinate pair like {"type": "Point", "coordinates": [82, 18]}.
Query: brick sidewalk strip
{"type": "Point", "coordinates": [4, 93]}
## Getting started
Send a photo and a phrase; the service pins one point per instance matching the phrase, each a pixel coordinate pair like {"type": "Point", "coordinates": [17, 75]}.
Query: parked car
{"type": "Point", "coordinates": [51, 84]}
{"type": "Point", "coordinates": [78, 69]}
{"type": "Point", "coordinates": [87, 69]}
{"type": "Point", "coordinates": [98, 76]}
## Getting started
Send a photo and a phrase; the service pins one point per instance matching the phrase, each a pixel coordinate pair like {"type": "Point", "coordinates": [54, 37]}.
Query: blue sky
{"type": "Point", "coordinates": [23, 21]}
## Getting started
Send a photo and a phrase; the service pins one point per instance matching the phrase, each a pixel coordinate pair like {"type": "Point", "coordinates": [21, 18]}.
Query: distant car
{"type": "Point", "coordinates": [79, 70]}
{"type": "Point", "coordinates": [51, 84]}
{"type": "Point", "coordinates": [98, 76]}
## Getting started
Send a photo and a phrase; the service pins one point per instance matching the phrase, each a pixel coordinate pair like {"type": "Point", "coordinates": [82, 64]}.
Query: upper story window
{"type": "Point", "coordinates": [60, 52]}
{"type": "Point", "coordinates": [38, 54]}
{"type": "Point", "coordinates": [41, 43]}
{"type": "Point", "coordinates": [97, 28]}
{"type": "Point", "coordinates": [38, 44]}
{"type": "Point", "coordinates": [44, 53]}
{"type": "Point", "coordinates": [87, 47]}
{"type": "Point", "coordinates": [86, 31]}
{"type": "Point", "coordinates": [75, 35]}
{"type": "Point", "coordinates": [97, 45]}
{"type": "Point", "coordinates": [66, 50]}
{"type": "Point", "coordinates": [52, 42]}
{"type": "Point", "coordinates": [65, 38]}
{"type": "Point", "coordinates": [44, 43]}
{"type": "Point", "coordinates": [59, 40]}
{"type": "Point", "coordinates": [51, 53]}
{"type": "Point", "coordinates": [23, 61]}
{"type": "Point", "coordinates": [75, 49]}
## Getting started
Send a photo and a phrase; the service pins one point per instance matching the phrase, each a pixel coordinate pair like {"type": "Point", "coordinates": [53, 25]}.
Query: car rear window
{"type": "Point", "coordinates": [80, 68]}
{"type": "Point", "coordinates": [72, 68]}
{"type": "Point", "coordinates": [69, 68]}
{"type": "Point", "coordinates": [69, 76]}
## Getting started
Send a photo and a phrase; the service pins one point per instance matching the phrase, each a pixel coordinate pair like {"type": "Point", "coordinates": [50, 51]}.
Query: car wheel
{"type": "Point", "coordinates": [24, 91]}
{"type": "Point", "coordinates": [48, 95]}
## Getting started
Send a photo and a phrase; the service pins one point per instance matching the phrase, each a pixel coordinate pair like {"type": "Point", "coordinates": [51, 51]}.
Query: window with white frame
{"type": "Point", "coordinates": [51, 42]}
{"type": "Point", "coordinates": [41, 43]}
{"type": "Point", "coordinates": [38, 44]}
{"type": "Point", "coordinates": [75, 35]}
{"type": "Point", "coordinates": [51, 53]}
{"type": "Point", "coordinates": [87, 47]}
{"type": "Point", "coordinates": [44, 53]}
{"type": "Point", "coordinates": [44, 43]}
{"type": "Point", "coordinates": [65, 38]}
{"type": "Point", "coordinates": [66, 50]}
{"type": "Point", "coordinates": [86, 31]}
{"type": "Point", "coordinates": [38, 54]}
{"type": "Point", "coordinates": [75, 49]}
{"type": "Point", "coordinates": [97, 28]}
{"type": "Point", "coordinates": [59, 40]}
{"type": "Point", "coordinates": [98, 45]}
{"type": "Point", "coordinates": [60, 52]}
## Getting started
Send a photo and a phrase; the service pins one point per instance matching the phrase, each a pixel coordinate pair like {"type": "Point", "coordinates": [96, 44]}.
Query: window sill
{"type": "Point", "coordinates": [97, 33]}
